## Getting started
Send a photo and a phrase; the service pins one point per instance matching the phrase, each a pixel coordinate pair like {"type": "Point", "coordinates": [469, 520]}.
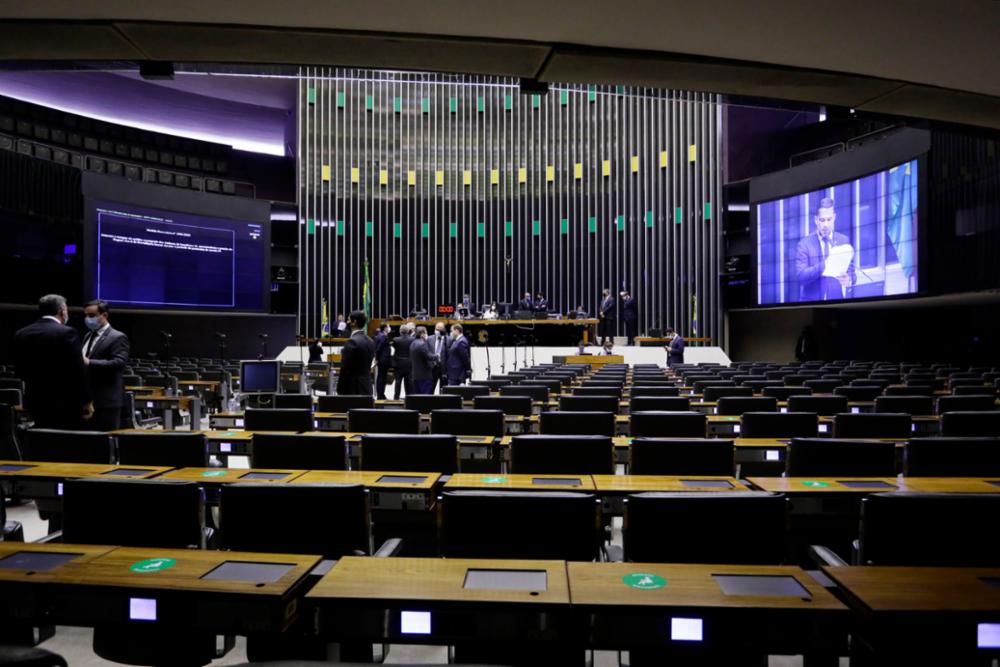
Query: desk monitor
{"type": "Point", "coordinates": [994, 482]}
{"type": "Point", "coordinates": [14, 467]}
{"type": "Point", "coordinates": [264, 475]}
{"type": "Point", "coordinates": [141, 609]}
{"type": "Point", "coordinates": [865, 484]}
{"type": "Point", "coordinates": [507, 580]}
{"type": "Point", "coordinates": [127, 472]}
{"type": "Point", "coordinates": [988, 635]}
{"type": "Point", "coordinates": [260, 377]}
{"type": "Point", "coordinates": [761, 585]}
{"type": "Point", "coordinates": [558, 481]}
{"type": "Point", "coordinates": [415, 622]}
{"type": "Point", "coordinates": [234, 570]}
{"type": "Point", "coordinates": [708, 483]}
{"type": "Point", "coordinates": [401, 479]}
{"type": "Point", "coordinates": [686, 629]}
{"type": "Point", "coordinates": [36, 561]}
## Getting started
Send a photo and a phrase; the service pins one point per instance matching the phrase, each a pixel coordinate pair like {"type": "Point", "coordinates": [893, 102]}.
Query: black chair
{"type": "Point", "coordinates": [555, 385]}
{"type": "Point", "coordinates": [856, 394]}
{"type": "Point", "coordinates": [576, 423]}
{"type": "Point", "coordinates": [293, 401]}
{"type": "Point", "coordinates": [278, 419]}
{"type": "Point", "coordinates": [12, 383]}
{"type": "Point", "coordinates": [298, 451]}
{"type": "Point", "coordinates": [655, 424]}
{"type": "Point", "coordinates": [509, 405]}
{"type": "Point", "coordinates": [10, 448]}
{"type": "Point", "coordinates": [343, 403]}
{"type": "Point", "coordinates": [426, 403]}
{"type": "Point", "coordinates": [912, 405]}
{"type": "Point", "coordinates": [245, 508]}
{"type": "Point", "coordinates": [824, 405]}
{"type": "Point", "coordinates": [467, 422]}
{"type": "Point", "coordinates": [872, 425]}
{"type": "Point", "coordinates": [366, 420]}
{"type": "Point", "coordinates": [779, 424]}
{"type": "Point", "coordinates": [784, 393]}
{"type": "Point", "coordinates": [746, 527]}
{"type": "Point", "coordinates": [908, 390]}
{"type": "Point", "coordinates": [699, 386]}
{"type": "Point", "coordinates": [562, 454]}
{"type": "Point", "coordinates": [598, 390]}
{"type": "Point", "coordinates": [537, 392]}
{"type": "Point", "coordinates": [493, 383]}
{"type": "Point", "coordinates": [515, 524]}
{"type": "Point", "coordinates": [688, 456]}
{"type": "Point", "coordinates": [972, 391]}
{"type": "Point", "coordinates": [714, 393]}
{"type": "Point", "coordinates": [660, 403]}
{"type": "Point", "coordinates": [971, 424]}
{"type": "Point", "coordinates": [467, 391]}
{"type": "Point", "coordinates": [410, 453]}
{"type": "Point", "coordinates": [589, 404]}
{"type": "Point", "coordinates": [929, 529]}
{"type": "Point", "coordinates": [654, 390]}
{"type": "Point", "coordinates": [952, 457]}
{"type": "Point", "coordinates": [821, 385]}
{"type": "Point", "coordinates": [974, 403]}
{"type": "Point", "coordinates": [68, 446]}
{"type": "Point", "coordinates": [830, 457]}
{"type": "Point", "coordinates": [12, 397]}
{"type": "Point", "coordinates": [737, 405]}
{"type": "Point", "coordinates": [175, 449]}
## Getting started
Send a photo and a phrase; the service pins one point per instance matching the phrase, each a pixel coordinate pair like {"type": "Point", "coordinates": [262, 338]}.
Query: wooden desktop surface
{"type": "Point", "coordinates": [87, 553]}
{"type": "Point", "coordinates": [909, 484]}
{"type": "Point", "coordinates": [920, 589]}
{"type": "Point", "coordinates": [229, 475]}
{"type": "Point", "coordinates": [369, 478]}
{"type": "Point", "coordinates": [641, 483]}
{"type": "Point", "coordinates": [500, 481]}
{"type": "Point", "coordinates": [42, 469]}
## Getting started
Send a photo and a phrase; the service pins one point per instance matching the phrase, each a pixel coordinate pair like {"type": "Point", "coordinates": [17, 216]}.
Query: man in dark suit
{"type": "Point", "coordinates": [630, 316]}
{"type": "Point", "coordinates": [105, 352]}
{"type": "Point", "coordinates": [422, 359]}
{"type": "Point", "coordinates": [356, 358]}
{"type": "Point", "coordinates": [401, 360]}
{"type": "Point", "coordinates": [811, 254]}
{"type": "Point", "coordinates": [383, 359]}
{"type": "Point", "coordinates": [541, 303]}
{"type": "Point", "coordinates": [607, 315]}
{"type": "Point", "coordinates": [675, 350]}
{"type": "Point", "coordinates": [48, 359]}
{"type": "Point", "coordinates": [526, 303]}
{"type": "Point", "coordinates": [459, 363]}
{"type": "Point", "coordinates": [439, 343]}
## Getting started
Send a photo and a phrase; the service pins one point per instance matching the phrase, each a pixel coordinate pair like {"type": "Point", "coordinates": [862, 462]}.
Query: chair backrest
{"type": "Point", "coordinates": [662, 403]}
{"type": "Point", "coordinates": [293, 401]}
{"type": "Point", "coordinates": [825, 404]}
{"type": "Point", "coordinates": [682, 456]}
{"type": "Point", "coordinates": [467, 391]}
{"type": "Point", "coordinates": [44, 444]}
{"type": "Point", "coordinates": [537, 392]}
{"type": "Point", "coordinates": [605, 403]}
{"type": "Point", "coordinates": [657, 424]}
{"type": "Point", "coordinates": [369, 420]}
{"type": "Point", "coordinates": [134, 513]}
{"type": "Point", "coordinates": [11, 383]}
{"type": "Point", "coordinates": [746, 527]}
{"type": "Point", "coordinates": [509, 405]}
{"type": "Point", "coordinates": [858, 393]}
{"type": "Point", "coordinates": [512, 524]}
{"type": "Point", "coordinates": [925, 529]}
{"type": "Point", "coordinates": [176, 449]}
{"type": "Point", "coordinates": [343, 403]}
{"type": "Point", "coordinates": [298, 451]}
{"type": "Point", "coordinates": [779, 424]}
{"type": "Point", "coordinates": [10, 448]}
{"type": "Point", "coordinates": [737, 405]}
{"type": "Point", "coordinates": [952, 457]}
{"type": "Point", "coordinates": [821, 385]}
{"type": "Point", "coordinates": [562, 454]}
{"type": "Point", "coordinates": [11, 397]}
{"type": "Point", "coordinates": [410, 453]}
{"type": "Point", "coordinates": [912, 405]}
{"type": "Point", "coordinates": [278, 419]}
{"type": "Point", "coordinates": [872, 425]}
{"type": "Point", "coordinates": [973, 391]}
{"type": "Point", "coordinates": [699, 386]}
{"type": "Point", "coordinates": [426, 403]}
{"type": "Point", "coordinates": [467, 422]}
{"type": "Point", "coordinates": [598, 390]}
{"type": "Point", "coordinates": [576, 423]}
{"type": "Point", "coordinates": [494, 383]}
{"type": "Point", "coordinates": [830, 457]}
{"type": "Point", "coordinates": [657, 390]}
{"type": "Point", "coordinates": [714, 393]}
{"type": "Point", "coordinates": [331, 520]}
{"type": "Point", "coordinates": [908, 390]}
{"type": "Point", "coordinates": [974, 403]}
{"type": "Point", "coordinates": [971, 424]}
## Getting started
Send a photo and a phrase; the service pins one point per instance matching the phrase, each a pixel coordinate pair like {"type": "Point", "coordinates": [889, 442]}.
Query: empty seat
{"type": "Point", "coordinates": [858, 393]}
{"type": "Point", "coordinates": [830, 457]}
{"type": "Point", "coordinates": [576, 423]}
{"type": "Point", "coordinates": [872, 425]}
{"type": "Point", "coordinates": [824, 405]}
{"type": "Point", "coordinates": [537, 392]}
{"type": "Point", "coordinates": [562, 454]}
{"type": "Point", "coordinates": [682, 456]}
{"type": "Point", "coordinates": [175, 449]}
{"type": "Point", "coordinates": [661, 403]}
{"type": "Point", "coordinates": [361, 420]}
{"type": "Point", "coordinates": [278, 419]}
{"type": "Point", "coordinates": [784, 393]}
{"type": "Point", "coordinates": [298, 451]}
{"type": "Point", "coordinates": [589, 404]}
{"type": "Point", "coordinates": [656, 424]}
{"type": "Point", "coordinates": [43, 444]}
{"type": "Point", "coordinates": [908, 390]}
{"type": "Point", "coordinates": [466, 391]}
{"type": "Point", "coordinates": [952, 457]}
{"type": "Point", "coordinates": [555, 385]}
{"type": "Point", "coordinates": [509, 405]}
{"type": "Point", "coordinates": [410, 453]}
{"type": "Point", "coordinates": [513, 524]}
{"type": "Point", "coordinates": [699, 386]}
{"type": "Point", "coordinates": [972, 391]}
{"type": "Point", "coordinates": [657, 390]}
{"type": "Point", "coordinates": [426, 403]}
{"type": "Point", "coordinates": [912, 405]}
{"type": "Point", "coordinates": [779, 424]}
{"type": "Point", "coordinates": [714, 393]}
{"type": "Point", "coordinates": [971, 424]}
{"type": "Point", "coordinates": [467, 422]}
{"type": "Point", "coordinates": [821, 385]}
{"type": "Point", "coordinates": [343, 403]}
{"type": "Point", "coordinates": [705, 527]}
{"type": "Point", "coordinates": [974, 403]}
{"type": "Point", "coordinates": [737, 405]}
{"type": "Point", "coordinates": [294, 401]}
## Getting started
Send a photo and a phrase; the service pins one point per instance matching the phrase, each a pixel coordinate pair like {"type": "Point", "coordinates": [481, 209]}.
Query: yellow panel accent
{"type": "Point", "coordinates": [663, 159]}
{"type": "Point", "coordinates": [494, 177]}
{"type": "Point", "coordinates": [326, 172]}
{"type": "Point", "coordinates": [606, 168]}
{"type": "Point", "coordinates": [578, 170]}
{"type": "Point", "coordinates": [692, 153]}
{"type": "Point", "coordinates": [411, 178]}
{"type": "Point", "coordinates": [635, 164]}
{"type": "Point", "coordinates": [467, 177]}
{"type": "Point", "coordinates": [355, 174]}
{"type": "Point", "coordinates": [522, 175]}
{"type": "Point", "coordinates": [439, 177]}
{"type": "Point", "coordinates": [383, 177]}
{"type": "Point", "coordinates": [550, 173]}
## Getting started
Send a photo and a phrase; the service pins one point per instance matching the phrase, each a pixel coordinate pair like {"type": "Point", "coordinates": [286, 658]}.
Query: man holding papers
{"type": "Point", "coordinates": [824, 261]}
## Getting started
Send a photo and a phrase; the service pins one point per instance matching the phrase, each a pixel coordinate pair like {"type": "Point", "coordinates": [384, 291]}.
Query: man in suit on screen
{"type": "Point", "coordinates": [356, 358]}
{"type": "Point", "coordinates": [811, 256]}
{"type": "Point", "coordinates": [105, 352]}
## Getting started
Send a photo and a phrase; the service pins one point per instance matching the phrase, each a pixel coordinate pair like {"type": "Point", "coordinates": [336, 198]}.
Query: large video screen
{"type": "Point", "coordinates": [852, 240]}
{"type": "Point", "coordinates": [152, 258]}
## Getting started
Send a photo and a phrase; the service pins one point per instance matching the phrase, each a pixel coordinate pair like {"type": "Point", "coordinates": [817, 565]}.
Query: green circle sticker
{"type": "Point", "coordinates": [153, 565]}
{"type": "Point", "coordinates": [643, 581]}
{"type": "Point", "coordinates": [496, 479]}
{"type": "Point", "coordinates": [213, 473]}
{"type": "Point", "coordinates": [816, 485]}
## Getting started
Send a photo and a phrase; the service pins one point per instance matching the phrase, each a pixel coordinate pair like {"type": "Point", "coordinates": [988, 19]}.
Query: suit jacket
{"type": "Point", "coordinates": [609, 308]}
{"type": "Point", "coordinates": [48, 359]}
{"type": "Point", "coordinates": [355, 364]}
{"type": "Point", "coordinates": [541, 304]}
{"type": "Point", "coordinates": [383, 351]}
{"type": "Point", "coordinates": [442, 355]}
{"type": "Point", "coordinates": [675, 355]}
{"type": "Point", "coordinates": [401, 360]}
{"type": "Point", "coordinates": [459, 363]}
{"type": "Point", "coordinates": [422, 358]}
{"type": "Point", "coordinates": [108, 358]}
{"type": "Point", "coordinates": [526, 304]}
{"type": "Point", "coordinates": [809, 261]}
{"type": "Point", "coordinates": [630, 310]}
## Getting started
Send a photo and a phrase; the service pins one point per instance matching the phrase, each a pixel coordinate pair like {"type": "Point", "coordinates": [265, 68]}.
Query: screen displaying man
{"type": "Point", "coordinates": [105, 352]}
{"type": "Point", "coordinates": [824, 261]}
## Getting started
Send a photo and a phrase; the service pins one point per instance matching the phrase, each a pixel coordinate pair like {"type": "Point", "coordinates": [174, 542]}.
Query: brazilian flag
{"type": "Point", "coordinates": [901, 223]}
{"type": "Point", "coordinates": [366, 294]}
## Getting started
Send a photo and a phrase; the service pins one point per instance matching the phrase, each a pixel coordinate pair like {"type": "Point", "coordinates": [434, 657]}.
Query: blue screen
{"type": "Point", "coordinates": [157, 258]}
{"type": "Point", "coordinates": [852, 240]}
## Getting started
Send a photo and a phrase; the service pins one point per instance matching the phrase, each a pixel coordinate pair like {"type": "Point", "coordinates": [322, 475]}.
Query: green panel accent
{"type": "Point", "coordinates": [708, 210]}
{"type": "Point", "coordinates": [508, 102]}
{"type": "Point", "coordinates": [453, 230]}
{"type": "Point", "coordinates": [311, 95]}
{"type": "Point", "coordinates": [453, 104]}
{"type": "Point", "coordinates": [341, 99]}
{"type": "Point", "coordinates": [620, 90]}
{"type": "Point", "coordinates": [425, 230]}
{"type": "Point", "coordinates": [340, 228]}
{"type": "Point", "coordinates": [397, 104]}
{"type": "Point", "coordinates": [649, 218]}
{"type": "Point", "coordinates": [369, 228]}
{"type": "Point", "coordinates": [621, 223]}
{"type": "Point", "coordinates": [591, 94]}
{"type": "Point", "coordinates": [564, 97]}
{"type": "Point", "coordinates": [678, 215]}
{"type": "Point", "coordinates": [397, 230]}
{"type": "Point", "coordinates": [592, 224]}
{"type": "Point", "coordinates": [564, 226]}
{"type": "Point", "coordinates": [480, 104]}
{"type": "Point", "coordinates": [536, 227]}
{"type": "Point", "coordinates": [536, 101]}
{"type": "Point", "coordinates": [425, 104]}
{"type": "Point", "coordinates": [508, 228]}
{"type": "Point", "coordinates": [153, 565]}
{"type": "Point", "coordinates": [369, 103]}
{"type": "Point", "coordinates": [481, 229]}
{"type": "Point", "coordinates": [310, 226]}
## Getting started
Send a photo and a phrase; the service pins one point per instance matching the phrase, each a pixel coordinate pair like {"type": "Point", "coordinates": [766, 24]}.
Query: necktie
{"type": "Point", "coordinates": [826, 248]}
{"type": "Point", "coordinates": [90, 343]}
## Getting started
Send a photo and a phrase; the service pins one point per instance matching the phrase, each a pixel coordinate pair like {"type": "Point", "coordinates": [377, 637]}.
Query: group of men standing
{"type": "Point", "coordinates": [419, 361]}
{"type": "Point", "coordinates": [608, 315]}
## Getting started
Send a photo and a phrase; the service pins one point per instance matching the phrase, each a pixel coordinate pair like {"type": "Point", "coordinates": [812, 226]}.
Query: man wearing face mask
{"type": "Point", "coordinates": [55, 378]}
{"type": "Point", "coordinates": [459, 366]}
{"type": "Point", "coordinates": [105, 352]}
{"type": "Point", "coordinates": [440, 346]}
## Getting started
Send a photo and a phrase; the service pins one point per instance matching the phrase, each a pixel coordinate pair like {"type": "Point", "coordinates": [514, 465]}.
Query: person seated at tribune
{"type": "Point", "coordinates": [608, 349]}
{"type": "Point", "coordinates": [493, 312]}
{"type": "Point", "coordinates": [526, 303]}
{"type": "Point", "coordinates": [541, 303]}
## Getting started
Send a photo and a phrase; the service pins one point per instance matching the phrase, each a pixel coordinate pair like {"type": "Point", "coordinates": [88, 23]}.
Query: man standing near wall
{"type": "Point", "coordinates": [356, 358]}
{"type": "Point", "coordinates": [422, 358]}
{"type": "Point", "coordinates": [459, 365]}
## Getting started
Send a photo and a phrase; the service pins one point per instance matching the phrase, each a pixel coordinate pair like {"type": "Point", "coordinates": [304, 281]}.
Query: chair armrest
{"type": "Point", "coordinates": [390, 547]}
{"type": "Point", "coordinates": [824, 556]}
{"type": "Point", "coordinates": [55, 537]}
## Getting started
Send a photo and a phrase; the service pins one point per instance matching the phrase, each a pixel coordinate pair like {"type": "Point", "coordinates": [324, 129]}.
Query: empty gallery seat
{"type": "Point", "coordinates": [342, 403]}
{"type": "Point", "coordinates": [175, 449]}
{"type": "Point", "coordinates": [657, 424]}
{"type": "Point", "coordinates": [562, 454]}
{"type": "Point", "coordinates": [872, 425]}
{"type": "Point", "coordinates": [830, 457]}
{"type": "Point", "coordinates": [467, 422]}
{"type": "Point", "coordinates": [298, 451]}
{"type": "Point", "coordinates": [682, 456]}
{"type": "Point", "coordinates": [952, 457]}
{"type": "Point", "coordinates": [410, 453]}
{"type": "Point", "coordinates": [971, 424]}
{"type": "Point", "coordinates": [779, 424]}
{"type": "Point", "coordinates": [278, 419]}
{"type": "Point", "coordinates": [362, 420]}
{"type": "Point", "coordinates": [576, 423]}
{"type": "Point", "coordinates": [68, 446]}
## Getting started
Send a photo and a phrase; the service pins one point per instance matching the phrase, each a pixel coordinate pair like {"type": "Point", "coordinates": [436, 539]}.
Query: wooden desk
{"type": "Point", "coordinates": [217, 476]}
{"type": "Point", "coordinates": [614, 488]}
{"type": "Point", "coordinates": [498, 482]}
{"type": "Point", "coordinates": [364, 598]}
{"type": "Point", "coordinates": [392, 491]}
{"type": "Point", "coordinates": [41, 481]}
{"type": "Point", "coordinates": [166, 406]}
{"type": "Point", "coordinates": [866, 485]}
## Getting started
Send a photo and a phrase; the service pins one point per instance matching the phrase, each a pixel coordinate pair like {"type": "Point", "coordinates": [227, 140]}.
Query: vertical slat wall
{"type": "Point", "coordinates": [455, 184]}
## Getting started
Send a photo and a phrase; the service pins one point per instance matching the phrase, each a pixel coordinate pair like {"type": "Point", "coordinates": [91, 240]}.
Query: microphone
{"type": "Point", "coordinates": [166, 334]}
{"type": "Point", "coordinates": [262, 336]}
{"type": "Point", "coordinates": [220, 336]}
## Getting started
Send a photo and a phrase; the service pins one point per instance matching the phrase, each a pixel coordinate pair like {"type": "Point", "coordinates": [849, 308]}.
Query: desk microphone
{"type": "Point", "coordinates": [220, 336]}
{"type": "Point", "coordinates": [166, 334]}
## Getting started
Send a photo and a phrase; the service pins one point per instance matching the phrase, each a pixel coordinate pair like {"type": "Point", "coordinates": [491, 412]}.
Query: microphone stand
{"type": "Point", "coordinates": [503, 355]}
{"type": "Point", "coordinates": [515, 353]}
{"type": "Point", "coordinates": [166, 345]}
{"type": "Point", "coordinates": [222, 346]}
{"type": "Point", "coordinates": [263, 346]}
{"type": "Point", "coordinates": [489, 364]}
